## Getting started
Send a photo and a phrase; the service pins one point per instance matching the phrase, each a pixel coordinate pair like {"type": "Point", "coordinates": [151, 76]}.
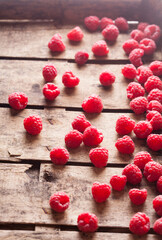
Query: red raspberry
{"type": "Point", "coordinates": [142, 129]}
{"type": "Point", "coordinates": [73, 139]}
{"type": "Point", "coordinates": [158, 226]}
{"type": "Point", "coordinates": [129, 71]}
{"type": "Point", "coordinates": [99, 157]}
{"type": "Point", "coordinates": [139, 105]}
{"type": "Point", "coordinates": [155, 94]}
{"type": "Point", "coordinates": [124, 125]}
{"type": "Point", "coordinates": [143, 73]}
{"type": "Point", "coordinates": [92, 137]}
{"type": "Point", "coordinates": [155, 119]}
{"type": "Point", "coordinates": [133, 174]}
{"type": "Point", "coordinates": [122, 24]}
{"type": "Point", "coordinates": [59, 155]}
{"type": "Point", "coordinates": [141, 158]}
{"type": "Point", "coordinates": [159, 185]}
{"type": "Point", "coordinates": [107, 78]}
{"type": "Point", "coordinates": [137, 35]}
{"type": "Point", "coordinates": [70, 80]}
{"type": "Point", "coordinates": [110, 33]}
{"type": "Point", "coordinates": [156, 68]}
{"type": "Point", "coordinates": [157, 204]}
{"type": "Point", "coordinates": [92, 23]}
{"type": "Point", "coordinates": [152, 31]}
{"type": "Point", "coordinates": [50, 91]}
{"type": "Point", "coordinates": [150, 115]}
{"type": "Point", "coordinates": [104, 22]}
{"type": "Point", "coordinates": [139, 224]}
{"type": "Point", "coordinates": [33, 124]}
{"type": "Point", "coordinates": [130, 45]}
{"type": "Point", "coordinates": [138, 196]}
{"type": "Point", "coordinates": [56, 44]}
{"type": "Point", "coordinates": [18, 100]}
{"type": "Point", "coordinates": [81, 57]}
{"type": "Point", "coordinates": [153, 82]}
{"type": "Point", "coordinates": [118, 182]}
{"type": "Point", "coordinates": [135, 57]}
{"type": "Point", "coordinates": [148, 45]}
{"type": "Point", "coordinates": [152, 171]}
{"type": "Point", "coordinates": [154, 142]}
{"type": "Point", "coordinates": [92, 104]}
{"type": "Point", "coordinates": [100, 191]}
{"type": "Point", "coordinates": [87, 222]}
{"type": "Point", "coordinates": [135, 90]}
{"type": "Point", "coordinates": [80, 123]}
{"type": "Point", "coordinates": [59, 202]}
{"type": "Point", "coordinates": [154, 106]}
{"type": "Point", "coordinates": [75, 34]}
{"type": "Point", "coordinates": [49, 72]}
{"type": "Point", "coordinates": [100, 48]}
{"type": "Point", "coordinates": [142, 26]}
{"type": "Point", "coordinates": [125, 145]}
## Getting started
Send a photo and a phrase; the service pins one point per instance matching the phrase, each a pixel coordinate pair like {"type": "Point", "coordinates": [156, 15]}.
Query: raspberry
{"type": "Point", "coordinates": [122, 24]}
{"type": "Point", "coordinates": [100, 191]}
{"type": "Point", "coordinates": [49, 72]}
{"type": "Point", "coordinates": [139, 105]}
{"type": "Point", "coordinates": [143, 73]}
{"type": "Point", "coordinates": [155, 119]}
{"type": "Point", "coordinates": [81, 57]}
{"type": "Point", "coordinates": [139, 224]}
{"type": "Point", "coordinates": [157, 205]}
{"type": "Point", "coordinates": [73, 139]}
{"type": "Point", "coordinates": [50, 91]}
{"type": "Point", "coordinates": [156, 68]}
{"type": "Point", "coordinates": [130, 45]}
{"type": "Point", "coordinates": [56, 44]}
{"type": "Point", "coordinates": [87, 222]}
{"type": "Point", "coordinates": [124, 125]}
{"type": "Point", "coordinates": [158, 226]}
{"type": "Point", "coordinates": [118, 182]}
{"type": "Point", "coordinates": [142, 26]}
{"type": "Point", "coordinates": [107, 78]}
{"type": "Point", "coordinates": [142, 129]}
{"type": "Point", "coordinates": [152, 171]}
{"type": "Point", "coordinates": [154, 142]}
{"type": "Point", "coordinates": [59, 155]}
{"type": "Point", "coordinates": [110, 33]}
{"type": "Point", "coordinates": [137, 35]}
{"type": "Point", "coordinates": [153, 32]}
{"type": "Point", "coordinates": [154, 106]}
{"type": "Point", "coordinates": [92, 23]}
{"type": "Point", "coordinates": [75, 34]}
{"type": "Point", "coordinates": [153, 82]}
{"type": "Point", "coordinates": [70, 80]}
{"type": "Point", "coordinates": [141, 158]}
{"type": "Point", "coordinates": [135, 57]}
{"type": "Point", "coordinates": [100, 48]}
{"type": "Point", "coordinates": [92, 137]}
{"type": "Point", "coordinates": [92, 104]}
{"type": "Point", "coordinates": [155, 94]}
{"type": "Point", "coordinates": [138, 196]}
{"type": "Point", "coordinates": [80, 123]}
{"type": "Point", "coordinates": [135, 90]}
{"type": "Point", "coordinates": [125, 145]}
{"type": "Point", "coordinates": [159, 185]}
{"type": "Point", "coordinates": [148, 45]}
{"type": "Point", "coordinates": [59, 201]}
{"type": "Point", "coordinates": [133, 174]}
{"type": "Point", "coordinates": [129, 71]}
{"type": "Point", "coordinates": [104, 22]}
{"type": "Point", "coordinates": [33, 124]}
{"type": "Point", "coordinates": [99, 157]}
{"type": "Point", "coordinates": [18, 100]}
{"type": "Point", "coordinates": [150, 115]}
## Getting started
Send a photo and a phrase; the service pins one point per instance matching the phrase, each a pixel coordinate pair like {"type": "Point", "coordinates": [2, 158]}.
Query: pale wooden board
{"type": "Point", "coordinates": [16, 143]}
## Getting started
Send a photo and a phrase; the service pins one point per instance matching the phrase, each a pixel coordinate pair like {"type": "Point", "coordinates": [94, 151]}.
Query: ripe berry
{"type": "Point", "coordinates": [148, 45]}
{"type": "Point", "coordinates": [142, 26]}
{"type": "Point", "coordinates": [70, 80]}
{"type": "Point", "coordinates": [156, 68]}
{"type": "Point", "coordinates": [154, 106]}
{"type": "Point", "coordinates": [110, 33]}
{"type": "Point", "coordinates": [129, 71]}
{"type": "Point", "coordinates": [135, 90]}
{"type": "Point", "coordinates": [138, 196]}
{"type": "Point", "coordinates": [153, 32]}
{"type": "Point", "coordinates": [59, 155]}
{"type": "Point", "coordinates": [49, 72]}
{"type": "Point", "coordinates": [125, 145]}
{"type": "Point", "coordinates": [118, 182]}
{"type": "Point", "coordinates": [18, 100]}
{"type": "Point", "coordinates": [159, 185]}
{"type": "Point", "coordinates": [33, 124]}
{"type": "Point", "coordinates": [135, 57]}
{"type": "Point", "coordinates": [80, 123]}
{"type": "Point", "coordinates": [124, 125]}
{"type": "Point", "coordinates": [92, 137]}
{"type": "Point", "coordinates": [155, 119]}
{"type": "Point", "coordinates": [139, 105]}
{"type": "Point", "coordinates": [81, 57]}
{"type": "Point", "coordinates": [122, 24]}
{"type": "Point", "coordinates": [92, 104]}
{"type": "Point", "coordinates": [99, 157]}
{"type": "Point", "coordinates": [137, 35]}
{"type": "Point", "coordinates": [133, 174]}
{"type": "Point", "coordinates": [155, 94]}
{"type": "Point", "coordinates": [143, 73]}
{"type": "Point", "coordinates": [73, 139]}
{"type": "Point", "coordinates": [139, 224]}
{"type": "Point", "coordinates": [152, 171]}
{"type": "Point", "coordinates": [152, 83]}
{"type": "Point", "coordinates": [75, 34]}
{"type": "Point", "coordinates": [100, 191]}
{"type": "Point", "coordinates": [142, 129]}
{"type": "Point", "coordinates": [100, 48]}
{"type": "Point", "coordinates": [59, 201]}
{"type": "Point", "coordinates": [104, 22]}
{"type": "Point", "coordinates": [56, 44]}
{"type": "Point", "coordinates": [157, 205]}
{"type": "Point", "coordinates": [141, 158]}
{"type": "Point", "coordinates": [50, 91]}
{"type": "Point", "coordinates": [158, 226]}
{"type": "Point", "coordinates": [87, 222]}
{"type": "Point", "coordinates": [130, 45]}
{"type": "Point", "coordinates": [92, 23]}
{"type": "Point", "coordinates": [107, 78]}
{"type": "Point", "coordinates": [154, 142]}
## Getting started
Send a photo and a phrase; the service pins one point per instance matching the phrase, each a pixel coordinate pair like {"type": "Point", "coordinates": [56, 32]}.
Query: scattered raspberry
{"type": "Point", "coordinates": [148, 45]}
{"type": "Point", "coordinates": [87, 222]}
{"type": "Point", "coordinates": [157, 205]}
{"type": "Point", "coordinates": [59, 201]}
{"type": "Point", "coordinates": [124, 125]}
{"type": "Point", "coordinates": [141, 158]}
{"type": "Point", "coordinates": [135, 57]}
{"type": "Point", "coordinates": [100, 191]}
{"type": "Point", "coordinates": [139, 224]}
{"type": "Point", "coordinates": [154, 142]}
{"type": "Point", "coordinates": [143, 73]}
{"type": "Point", "coordinates": [142, 129]}
{"type": "Point", "coordinates": [139, 105]}
{"type": "Point", "coordinates": [80, 123]}
{"type": "Point", "coordinates": [75, 34]}
{"type": "Point", "coordinates": [110, 33]}
{"type": "Point", "coordinates": [138, 196]}
{"type": "Point", "coordinates": [18, 100]}
{"type": "Point", "coordinates": [33, 124]}
{"type": "Point", "coordinates": [133, 174]}
{"type": "Point", "coordinates": [81, 57]}
{"type": "Point", "coordinates": [107, 78]}
{"type": "Point", "coordinates": [99, 157]}
{"type": "Point", "coordinates": [92, 137]}
{"type": "Point", "coordinates": [49, 72]}
{"type": "Point", "coordinates": [135, 90]}
{"type": "Point", "coordinates": [73, 139]}
{"type": "Point", "coordinates": [92, 104]}
{"type": "Point", "coordinates": [59, 155]}
{"type": "Point", "coordinates": [122, 24]}
{"type": "Point", "coordinates": [104, 22]}
{"type": "Point", "coordinates": [155, 119]}
{"type": "Point", "coordinates": [118, 182]}
{"type": "Point", "coordinates": [152, 171]}
{"type": "Point", "coordinates": [137, 35]}
{"type": "Point", "coordinates": [158, 226]}
{"type": "Point", "coordinates": [155, 94]}
{"type": "Point", "coordinates": [100, 48]}
{"type": "Point", "coordinates": [56, 44]}
{"type": "Point", "coordinates": [130, 45]}
{"type": "Point", "coordinates": [129, 71]}
{"type": "Point", "coordinates": [150, 115]}
{"type": "Point", "coordinates": [125, 145]}
{"type": "Point", "coordinates": [159, 185]}
{"type": "Point", "coordinates": [142, 26]}
{"type": "Point", "coordinates": [92, 23]}
{"type": "Point", "coordinates": [70, 80]}
{"type": "Point", "coordinates": [152, 83]}
{"type": "Point", "coordinates": [152, 31]}
{"type": "Point", "coordinates": [154, 106]}
{"type": "Point", "coordinates": [156, 68]}
{"type": "Point", "coordinates": [50, 91]}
